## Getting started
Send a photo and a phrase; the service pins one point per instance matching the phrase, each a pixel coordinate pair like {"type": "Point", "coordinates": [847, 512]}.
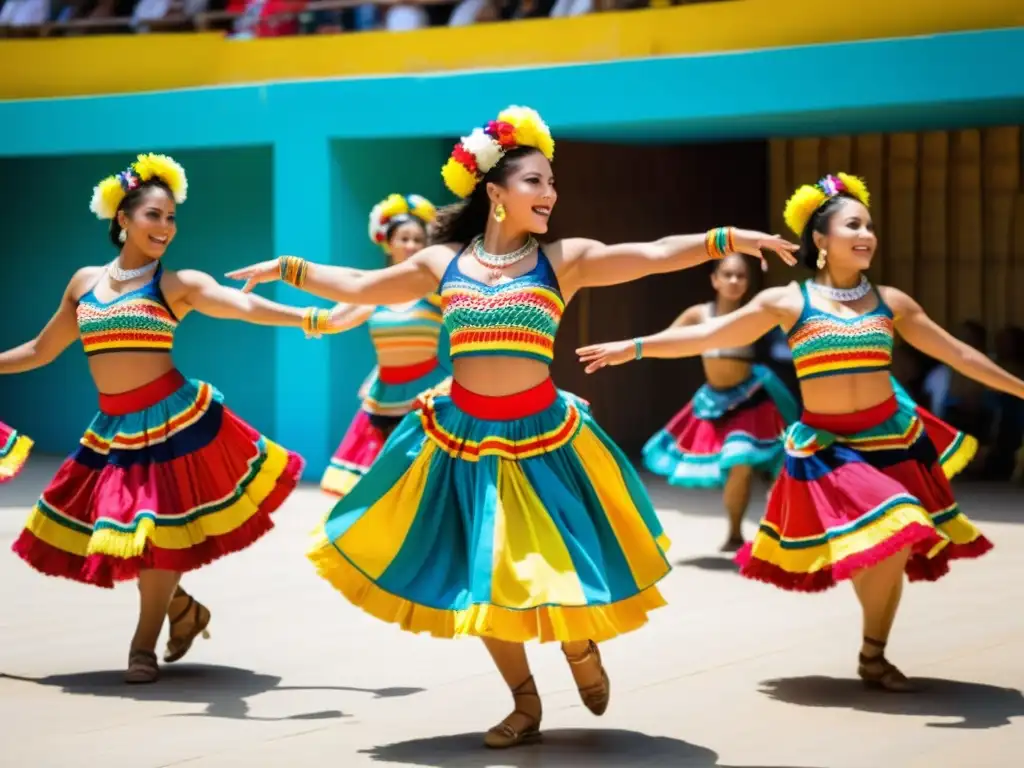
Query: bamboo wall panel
{"type": "Point", "coordinates": [948, 208]}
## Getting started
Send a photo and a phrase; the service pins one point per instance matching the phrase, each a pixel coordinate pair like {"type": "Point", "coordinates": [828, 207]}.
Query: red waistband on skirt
{"type": "Point", "coordinates": [403, 374]}
{"type": "Point", "coordinates": [143, 397]}
{"type": "Point", "coordinates": [848, 423]}
{"type": "Point", "coordinates": [505, 407]}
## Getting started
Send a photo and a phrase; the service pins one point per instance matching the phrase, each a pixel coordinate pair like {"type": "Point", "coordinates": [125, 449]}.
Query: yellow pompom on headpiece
{"type": "Point", "coordinates": [108, 194]}
{"type": "Point", "coordinates": [810, 197]}
{"type": "Point", "coordinates": [483, 149]}
{"type": "Point", "coordinates": [395, 205]}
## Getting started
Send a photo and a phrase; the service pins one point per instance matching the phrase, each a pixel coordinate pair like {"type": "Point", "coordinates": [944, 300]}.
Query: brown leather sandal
{"type": "Point", "coordinates": [504, 734]}
{"type": "Point", "coordinates": [594, 697]}
{"type": "Point", "coordinates": [142, 667]}
{"type": "Point", "coordinates": [183, 606]}
{"type": "Point", "coordinates": [878, 673]}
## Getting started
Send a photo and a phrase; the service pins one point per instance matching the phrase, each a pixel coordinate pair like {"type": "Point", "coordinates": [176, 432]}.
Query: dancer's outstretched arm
{"type": "Point", "coordinates": [736, 329]}
{"type": "Point", "coordinates": [57, 335]}
{"type": "Point", "coordinates": [198, 291]}
{"type": "Point", "coordinates": [590, 264]}
{"type": "Point", "coordinates": [406, 281]}
{"type": "Point", "coordinates": [920, 331]}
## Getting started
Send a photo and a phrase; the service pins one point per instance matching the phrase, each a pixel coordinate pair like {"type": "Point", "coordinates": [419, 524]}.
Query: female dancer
{"type": "Point", "coordinates": [499, 508]}
{"type": "Point", "coordinates": [405, 338]}
{"type": "Point", "coordinates": [733, 426]}
{"type": "Point", "coordinates": [14, 450]}
{"type": "Point", "coordinates": [862, 495]}
{"type": "Point", "coordinates": [166, 479]}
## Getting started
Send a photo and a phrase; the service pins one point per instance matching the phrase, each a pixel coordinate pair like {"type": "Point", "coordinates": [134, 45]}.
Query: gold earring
{"type": "Point", "coordinates": [123, 236]}
{"type": "Point", "coordinates": [499, 213]}
{"type": "Point", "coordinates": [822, 255]}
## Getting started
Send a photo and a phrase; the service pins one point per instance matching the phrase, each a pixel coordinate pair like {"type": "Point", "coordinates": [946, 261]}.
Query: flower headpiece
{"type": "Point", "coordinates": [479, 152]}
{"type": "Point", "coordinates": [810, 197]}
{"type": "Point", "coordinates": [108, 194]}
{"type": "Point", "coordinates": [395, 205]}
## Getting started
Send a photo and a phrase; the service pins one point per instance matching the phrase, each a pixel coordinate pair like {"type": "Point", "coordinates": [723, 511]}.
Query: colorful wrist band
{"type": "Point", "coordinates": [719, 241]}
{"type": "Point", "coordinates": [638, 348]}
{"type": "Point", "coordinates": [315, 322]}
{"type": "Point", "coordinates": [293, 270]}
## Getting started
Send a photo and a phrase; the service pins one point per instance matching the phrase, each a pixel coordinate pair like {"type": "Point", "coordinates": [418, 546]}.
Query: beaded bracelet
{"type": "Point", "coordinates": [316, 322]}
{"type": "Point", "coordinates": [638, 348]}
{"type": "Point", "coordinates": [293, 270]}
{"type": "Point", "coordinates": [719, 241]}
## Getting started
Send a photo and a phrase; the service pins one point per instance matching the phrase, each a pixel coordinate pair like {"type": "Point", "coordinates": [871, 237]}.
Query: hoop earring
{"type": "Point", "coordinates": [822, 255]}
{"type": "Point", "coordinates": [123, 236]}
{"type": "Point", "coordinates": [499, 213]}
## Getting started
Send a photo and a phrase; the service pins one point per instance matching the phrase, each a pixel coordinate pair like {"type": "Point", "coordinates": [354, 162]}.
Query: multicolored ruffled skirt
{"type": "Point", "coordinates": [165, 477]}
{"type": "Point", "coordinates": [857, 488]}
{"type": "Point", "coordinates": [723, 428]}
{"type": "Point", "coordinates": [14, 450]}
{"type": "Point", "coordinates": [387, 395]}
{"type": "Point", "coordinates": [515, 518]}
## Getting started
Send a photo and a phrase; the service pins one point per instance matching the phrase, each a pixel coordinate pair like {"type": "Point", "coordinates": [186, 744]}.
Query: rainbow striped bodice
{"type": "Point", "coordinates": [826, 345]}
{"type": "Point", "coordinates": [400, 330]}
{"type": "Point", "coordinates": [137, 321]}
{"type": "Point", "coordinates": [519, 318]}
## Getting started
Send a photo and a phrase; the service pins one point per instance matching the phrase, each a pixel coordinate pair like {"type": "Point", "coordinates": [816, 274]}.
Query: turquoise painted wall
{"type": "Point", "coordinates": [296, 167]}
{"type": "Point", "coordinates": [47, 232]}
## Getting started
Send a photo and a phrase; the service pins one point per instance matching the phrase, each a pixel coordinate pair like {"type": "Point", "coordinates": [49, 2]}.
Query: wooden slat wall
{"type": "Point", "coordinates": [948, 208]}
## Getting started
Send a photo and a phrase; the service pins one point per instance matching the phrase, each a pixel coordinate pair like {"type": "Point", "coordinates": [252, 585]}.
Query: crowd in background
{"type": "Point", "coordinates": [274, 18]}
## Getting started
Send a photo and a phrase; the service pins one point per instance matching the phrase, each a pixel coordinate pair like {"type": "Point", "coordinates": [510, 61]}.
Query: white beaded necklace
{"type": "Point", "coordinates": [862, 289]}
{"type": "Point", "coordinates": [498, 261]}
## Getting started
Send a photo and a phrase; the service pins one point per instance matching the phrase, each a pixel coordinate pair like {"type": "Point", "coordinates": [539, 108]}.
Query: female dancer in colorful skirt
{"type": "Point", "coordinates": [14, 450]}
{"type": "Point", "coordinates": [499, 509]}
{"type": "Point", "coordinates": [862, 495]}
{"type": "Point", "coordinates": [166, 479]}
{"type": "Point", "coordinates": [405, 339]}
{"type": "Point", "coordinates": [733, 426]}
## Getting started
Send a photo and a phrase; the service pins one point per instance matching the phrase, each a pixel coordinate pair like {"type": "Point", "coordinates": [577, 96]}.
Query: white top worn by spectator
{"type": "Point", "coordinates": [154, 10]}
{"type": "Point", "coordinates": [24, 13]}
{"type": "Point", "coordinates": [465, 13]}
{"type": "Point", "coordinates": [563, 8]}
{"type": "Point", "coordinates": [403, 18]}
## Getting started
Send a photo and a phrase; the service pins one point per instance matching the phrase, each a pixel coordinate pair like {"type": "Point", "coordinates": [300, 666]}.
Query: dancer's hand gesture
{"type": "Point", "coordinates": [753, 243]}
{"type": "Point", "coordinates": [597, 356]}
{"type": "Point", "coordinates": [264, 272]}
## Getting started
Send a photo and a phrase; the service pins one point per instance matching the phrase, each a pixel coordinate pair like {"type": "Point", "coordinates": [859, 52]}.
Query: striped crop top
{"type": "Point", "coordinates": [515, 319]}
{"type": "Point", "coordinates": [137, 321]}
{"type": "Point", "coordinates": [824, 344]}
{"type": "Point", "coordinates": [417, 327]}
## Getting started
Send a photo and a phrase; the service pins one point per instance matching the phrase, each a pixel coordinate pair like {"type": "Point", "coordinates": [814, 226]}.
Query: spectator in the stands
{"type": "Point", "coordinates": [162, 10]}
{"type": "Point", "coordinates": [24, 13]}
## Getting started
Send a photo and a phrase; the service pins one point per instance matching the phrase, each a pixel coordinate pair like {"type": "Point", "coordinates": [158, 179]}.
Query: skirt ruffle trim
{"type": "Point", "coordinates": [957, 458]}
{"type": "Point", "coordinates": [113, 556]}
{"type": "Point", "coordinates": [663, 457]}
{"type": "Point", "coordinates": [929, 559]}
{"type": "Point", "coordinates": [548, 623]}
{"type": "Point", "coordinates": [14, 460]}
{"type": "Point", "coordinates": [339, 481]}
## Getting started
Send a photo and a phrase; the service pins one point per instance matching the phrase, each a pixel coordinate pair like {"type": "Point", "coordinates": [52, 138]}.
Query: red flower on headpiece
{"type": "Point", "coordinates": [503, 133]}
{"type": "Point", "coordinates": [465, 158]}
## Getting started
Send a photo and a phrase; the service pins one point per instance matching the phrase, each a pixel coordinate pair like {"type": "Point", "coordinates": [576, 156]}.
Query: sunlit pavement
{"type": "Point", "coordinates": [731, 673]}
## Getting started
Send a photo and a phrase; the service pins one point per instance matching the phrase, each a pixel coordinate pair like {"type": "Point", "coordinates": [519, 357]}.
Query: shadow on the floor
{"type": "Point", "coordinates": [710, 563]}
{"type": "Point", "coordinates": [978, 706]}
{"type": "Point", "coordinates": [559, 748]}
{"type": "Point", "coordinates": [223, 690]}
